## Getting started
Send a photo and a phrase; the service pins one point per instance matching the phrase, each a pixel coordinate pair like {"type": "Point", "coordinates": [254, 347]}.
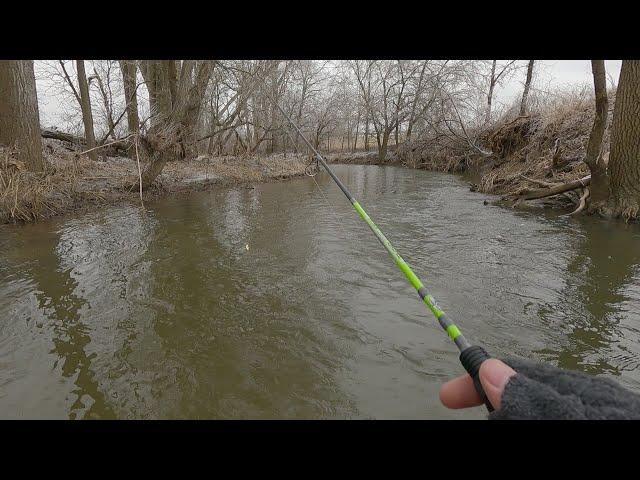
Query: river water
{"type": "Point", "coordinates": [278, 302]}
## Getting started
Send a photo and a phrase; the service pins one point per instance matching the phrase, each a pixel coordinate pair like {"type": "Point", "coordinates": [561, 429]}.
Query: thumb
{"type": "Point", "coordinates": [494, 375]}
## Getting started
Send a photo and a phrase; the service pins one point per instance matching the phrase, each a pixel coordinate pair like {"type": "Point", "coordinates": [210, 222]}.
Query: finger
{"type": "Point", "coordinates": [460, 393]}
{"type": "Point", "coordinates": [494, 375]}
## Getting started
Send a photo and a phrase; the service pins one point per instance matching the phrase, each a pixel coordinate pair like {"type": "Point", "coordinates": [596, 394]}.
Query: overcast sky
{"type": "Point", "coordinates": [549, 75]}
{"type": "Point", "coordinates": [562, 73]}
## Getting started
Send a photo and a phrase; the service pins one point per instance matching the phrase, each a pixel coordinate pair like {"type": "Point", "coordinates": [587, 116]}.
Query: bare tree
{"type": "Point", "coordinates": [498, 73]}
{"type": "Point", "coordinates": [382, 86]}
{"type": "Point", "coordinates": [106, 95]}
{"type": "Point", "coordinates": [363, 73]}
{"type": "Point", "coordinates": [129, 70]}
{"type": "Point", "coordinates": [527, 86]}
{"type": "Point", "coordinates": [175, 96]}
{"type": "Point", "coordinates": [87, 116]}
{"type": "Point", "coordinates": [19, 116]}
{"type": "Point", "coordinates": [305, 77]}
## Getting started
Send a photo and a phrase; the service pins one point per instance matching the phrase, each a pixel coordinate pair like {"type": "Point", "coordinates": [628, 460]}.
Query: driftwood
{"type": "Point", "coordinates": [548, 192]}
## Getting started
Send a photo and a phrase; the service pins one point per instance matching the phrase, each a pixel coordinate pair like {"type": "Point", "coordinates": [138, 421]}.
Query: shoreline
{"type": "Point", "coordinates": [75, 184]}
{"type": "Point", "coordinates": [78, 185]}
{"type": "Point", "coordinates": [476, 175]}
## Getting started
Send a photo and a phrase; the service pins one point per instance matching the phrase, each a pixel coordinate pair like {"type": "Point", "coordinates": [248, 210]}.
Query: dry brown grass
{"type": "Point", "coordinates": [358, 157]}
{"type": "Point", "coordinates": [74, 182]}
{"type": "Point", "coordinates": [439, 153]}
{"type": "Point", "coordinates": [27, 196]}
{"type": "Point", "coordinates": [233, 169]}
{"type": "Point", "coordinates": [546, 147]}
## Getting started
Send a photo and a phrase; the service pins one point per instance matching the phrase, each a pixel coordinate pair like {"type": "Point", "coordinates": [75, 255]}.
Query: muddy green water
{"type": "Point", "coordinates": [168, 314]}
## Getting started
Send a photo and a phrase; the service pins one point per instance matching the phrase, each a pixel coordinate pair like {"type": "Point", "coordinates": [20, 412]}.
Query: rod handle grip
{"type": "Point", "coordinates": [471, 359]}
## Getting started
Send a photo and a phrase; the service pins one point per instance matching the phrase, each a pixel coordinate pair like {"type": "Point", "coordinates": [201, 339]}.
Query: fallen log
{"type": "Point", "coordinates": [65, 137]}
{"type": "Point", "coordinates": [119, 147]}
{"type": "Point", "coordinates": [548, 192]}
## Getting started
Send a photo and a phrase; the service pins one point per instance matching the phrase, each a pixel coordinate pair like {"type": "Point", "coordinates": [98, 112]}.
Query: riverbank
{"type": "Point", "coordinates": [519, 154]}
{"type": "Point", "coordinates": [75, 183]}
{"type": "Point", "coordinates": [511, 157]}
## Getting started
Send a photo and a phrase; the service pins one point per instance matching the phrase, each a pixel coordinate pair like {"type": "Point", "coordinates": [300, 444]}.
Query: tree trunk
{"type": "Point", "coordinates": [188, 102]}
{"type": "Point", "coordinates": [366, 134]}
{"type": "Point", "coordinates": [212, 143]}
{"type": "Point", "coordinates": [177, 106]}
{"type": "Point", "coordinates": [128, 68]}
{"type": "Point", "coordinates": [624, 160]}
{"type": "Point", "coordinates": [107, 106]}
{"type": "Point", "coordinates": [599, 190]}
{"type": "Point", "coordinates": [382, 146]}
{"type": "Point", "coordinates": [355, 140]}
{"type": "Point", "coordinates": [527, 86]}
{"type": "Point", "coordinates": [19, 116]}
{"type": "Point", "coordinates": [170, 69]}
{"type": "Point", "coordinates": [349, 128]}
{"type": "Point", "coordinates": [156, 77]}
{"type": "Point", "coordinates": [85, 103]}
{"type": "Point", "coordinates": [492, 84]}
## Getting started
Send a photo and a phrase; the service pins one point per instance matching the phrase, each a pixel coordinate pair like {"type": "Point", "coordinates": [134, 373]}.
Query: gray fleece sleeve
{"type": "Point", "coordinates": [543, 392]}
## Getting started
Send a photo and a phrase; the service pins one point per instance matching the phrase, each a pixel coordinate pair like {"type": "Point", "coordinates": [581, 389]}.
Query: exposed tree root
{"type": "Point", "coordinates": [583, 202]}
{"type": "Point", "coordinates": [548, 192]}
{"type": "Point", "coordinates": [626, 208]}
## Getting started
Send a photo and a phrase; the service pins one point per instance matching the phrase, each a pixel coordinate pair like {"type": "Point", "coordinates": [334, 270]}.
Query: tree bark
{"type": "Point", "coordinates": [156, 77]}
{"type": "Point", "coordinates": [527, 86]}
{"type": "Point", "coordinates": [355, 140]}
{"type": "Point", "coordinates": [171, 70]}
{"type": "Point", "coordinates": [599, 191]}
{"type": "Point", "coordinates": [624, 160]}
{"type": "Point", "coordinates": [492, 84]}
{"type": "Point", "coordinates": [383, 145]}
{"type": "Point", "coordinates": [85, 103]}
{"type": "Point", "coordinates": [19, 116]}
{"type": "Point", "coordinates": [366, 134]}
{"type": "Point", "coordinates": [128, 68]}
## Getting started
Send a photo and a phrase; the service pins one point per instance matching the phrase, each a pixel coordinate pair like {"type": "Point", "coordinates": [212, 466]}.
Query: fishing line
{"type": "Point", "coordinates": [332, 208]}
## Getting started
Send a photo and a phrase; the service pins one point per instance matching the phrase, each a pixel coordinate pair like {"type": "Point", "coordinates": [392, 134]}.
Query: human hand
{"type": "Point", "coordinates": [461, 393]}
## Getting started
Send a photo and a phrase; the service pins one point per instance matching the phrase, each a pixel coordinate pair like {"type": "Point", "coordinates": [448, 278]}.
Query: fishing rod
{"type": "Point", "coordinates": [471, 356]}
